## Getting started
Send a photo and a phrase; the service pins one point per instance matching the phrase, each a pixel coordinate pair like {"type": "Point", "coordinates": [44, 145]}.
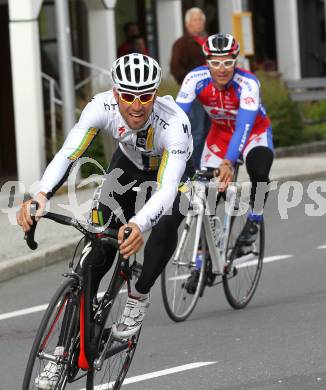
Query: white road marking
{"type": "Point", "coordinates": [23, 312]}
{"type": "Point", "coordinates": [244, 261]}
{"type": "Point", "coordinates": [180, 277]}
{"type": "Point", "coordinates": [35, 309]}
{"type": "Point", "coordinates": [155, 374]}
{"type": "Point", "coordinates": [269, 259]}
{"type": "Point", "coordinates": [321, 247]}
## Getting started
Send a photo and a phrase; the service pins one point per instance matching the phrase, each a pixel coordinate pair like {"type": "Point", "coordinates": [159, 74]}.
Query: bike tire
{"type": "Point", "coordinates": [242, 274]}
{"type": "Point", "coordinates": [178, 302]}
{"type": "Point", "coordinates": [47, 333]}
{"type": "Point", "coordinates": [115, 367]}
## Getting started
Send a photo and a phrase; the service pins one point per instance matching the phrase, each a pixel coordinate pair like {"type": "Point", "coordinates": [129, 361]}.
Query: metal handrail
{"type": "Point", "coordinates": [54, 92]}
{"type": "Point", "coordinates": [97, 71]}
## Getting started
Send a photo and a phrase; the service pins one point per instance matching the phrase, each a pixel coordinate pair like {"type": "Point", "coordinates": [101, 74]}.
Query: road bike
{"type": "Point", "coordinates": [75, 332]}
{"type": "Point", "coordinates": [209, 252]}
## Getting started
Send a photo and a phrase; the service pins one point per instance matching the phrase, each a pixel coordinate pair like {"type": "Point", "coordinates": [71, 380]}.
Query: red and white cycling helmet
{"type": "Point", "coordinates": [221, 45]}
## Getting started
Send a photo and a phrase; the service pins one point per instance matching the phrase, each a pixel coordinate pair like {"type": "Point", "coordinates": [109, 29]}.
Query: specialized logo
{"type": "Point", "coordinates": [121, 131]}
{"type": "Point", "coordinates": [87, 249]}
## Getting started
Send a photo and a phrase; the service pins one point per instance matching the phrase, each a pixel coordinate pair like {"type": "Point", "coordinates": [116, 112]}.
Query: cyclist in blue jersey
{"type": "Point", "coordinates": [239, 123]}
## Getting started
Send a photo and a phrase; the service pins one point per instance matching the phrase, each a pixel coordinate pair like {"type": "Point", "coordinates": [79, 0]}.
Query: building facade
{"type": "Point", "coordinates": [29, 47]}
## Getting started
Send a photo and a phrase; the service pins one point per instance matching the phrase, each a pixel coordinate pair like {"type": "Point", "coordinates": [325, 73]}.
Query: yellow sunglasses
{"type": "Point", "coordinates": [129, 98]}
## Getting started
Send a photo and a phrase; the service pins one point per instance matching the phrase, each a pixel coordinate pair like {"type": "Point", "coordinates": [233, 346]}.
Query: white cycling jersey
{"type": "Point", "coordinates": [163, 144]}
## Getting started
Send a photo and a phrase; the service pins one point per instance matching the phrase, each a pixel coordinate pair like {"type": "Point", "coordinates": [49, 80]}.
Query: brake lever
{"type": "Point", "coordinates": [29, 236]}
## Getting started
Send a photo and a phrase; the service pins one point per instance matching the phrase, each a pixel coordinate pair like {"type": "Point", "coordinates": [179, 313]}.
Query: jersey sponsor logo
{"type": "Point", "coordinates": [257, 138]}
{"type": "Point", "coordinates": [141, 138]}
{"type": "Point", "coordinates": [249, 100]}
{"type": "Point", "coordinates": [161, 121]}
{"type": "Point", "coordinates": [185, 128]}
{"type": "Point", "coordinates": [220, 114]}
{"type": "Point", "coordinates": [248, 85]}
{"type": "Point", "coordinates": [121, 131]}
{"type": "Point", "coordinates": [110, 107]}
{"type": "Point", "coordinates": [157, 217]}
{"type": "Point", "coordinates": [243, 139]}
{"type": "Point", "coordinates": [215, 148]}
{"type": "Point", "coordinates": [183, 95]}
{"type": "Point", "coordinates": [178, 151]}
{"type": "Point", "coordinates": [194, 75]}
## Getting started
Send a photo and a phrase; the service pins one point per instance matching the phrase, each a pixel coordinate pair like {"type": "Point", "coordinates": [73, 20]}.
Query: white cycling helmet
{"type": "Point", "coordinates": [136, 72]}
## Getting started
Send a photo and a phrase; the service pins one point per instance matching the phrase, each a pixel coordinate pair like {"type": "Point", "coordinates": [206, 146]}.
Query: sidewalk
{"type": "Point", "coordinates": [57, 242]}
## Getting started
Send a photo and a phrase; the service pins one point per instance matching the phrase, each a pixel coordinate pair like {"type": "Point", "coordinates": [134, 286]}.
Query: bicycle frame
{"type": "Point", "coordinates": [80, 274]}
{"type": "Point", "coordinates": [200, 214]}
{"type": "Point", "coordinates": [216, 240]}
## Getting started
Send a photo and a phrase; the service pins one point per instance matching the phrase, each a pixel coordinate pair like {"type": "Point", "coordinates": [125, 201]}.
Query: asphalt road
{"type": "Point", "coordinates": [277, 342]}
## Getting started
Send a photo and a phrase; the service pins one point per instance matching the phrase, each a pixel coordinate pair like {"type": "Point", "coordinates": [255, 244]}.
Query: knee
{"type": "Point", "coordinates": [259, 161]}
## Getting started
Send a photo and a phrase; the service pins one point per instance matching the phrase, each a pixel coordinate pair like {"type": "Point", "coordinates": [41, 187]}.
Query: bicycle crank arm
{"type": "Point", "coordinates": [118, 348]}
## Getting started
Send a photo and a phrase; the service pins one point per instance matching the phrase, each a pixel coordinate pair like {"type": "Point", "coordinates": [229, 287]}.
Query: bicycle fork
{"type": "Point", "coordinates": [121, 275]}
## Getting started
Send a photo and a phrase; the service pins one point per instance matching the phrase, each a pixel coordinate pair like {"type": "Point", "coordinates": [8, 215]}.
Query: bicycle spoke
{"type": "Point", "coordinates": [56, 330]}
{"type": "Point", "coordinates": [178, 297]}
{"type": "Point", "coordinates": [244, 271]}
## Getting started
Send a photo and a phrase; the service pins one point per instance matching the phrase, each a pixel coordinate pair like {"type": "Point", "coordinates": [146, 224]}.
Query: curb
{"type": "Point", "coordinates": [12, 268]}
{"type": "Point", "coordinates": [301, 177]}
{"type": "Point", "coordinates": [301, 150]}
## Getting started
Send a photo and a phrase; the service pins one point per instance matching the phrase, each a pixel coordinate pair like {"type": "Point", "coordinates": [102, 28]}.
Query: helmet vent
{"type": "Point", "coordinates": [136, 72]}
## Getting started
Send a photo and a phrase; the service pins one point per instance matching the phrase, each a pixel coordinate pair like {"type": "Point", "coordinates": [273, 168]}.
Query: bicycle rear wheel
{"type": "Point", "coordinates": [180, 293]}
{"type": "Point", "coordinates": [242, 271]}
{"type": "Point", "coordinates": [60, 318]}
{"type": "Point", "coordinates": [119, 353]}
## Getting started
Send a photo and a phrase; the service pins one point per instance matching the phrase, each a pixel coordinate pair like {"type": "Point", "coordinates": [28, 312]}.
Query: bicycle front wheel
{"type": "Point", "coordinates": [181, 283]}
{"type": "Point", "coordinates": [54, 339]}
{"type": "Point", "coordinates": [243, 271]}
{"type": "Point", "coordinates": [118, 355]}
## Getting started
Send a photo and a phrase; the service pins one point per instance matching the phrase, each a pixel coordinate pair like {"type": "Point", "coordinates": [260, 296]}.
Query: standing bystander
{"type": "Point", "coordinates": [131, 32]}
{"type": "Point", "coordinates": [187, 54]}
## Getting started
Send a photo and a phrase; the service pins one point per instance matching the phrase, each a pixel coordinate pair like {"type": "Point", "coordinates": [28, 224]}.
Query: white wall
{"type": "Point", "coordinates": [102, 39]}
{"type": "Point", "coordinates": [287, 38]}
{"type": "Point", "coordinates": [27, 89]}
{"type": "Point", "coordinates": [225, 11]}
{"type": "Point", "coordinates": [169, 29]}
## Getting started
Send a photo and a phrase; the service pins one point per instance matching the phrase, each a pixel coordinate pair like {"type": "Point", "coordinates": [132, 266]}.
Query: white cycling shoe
{"type": "Point", "coordinates": [48, 378]}
{"type": "Point", "coordinates": [132, 317]}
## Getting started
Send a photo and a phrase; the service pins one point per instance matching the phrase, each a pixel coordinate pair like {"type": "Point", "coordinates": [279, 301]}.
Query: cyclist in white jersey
{"type": "Point", "coordinates": [155, 144]}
